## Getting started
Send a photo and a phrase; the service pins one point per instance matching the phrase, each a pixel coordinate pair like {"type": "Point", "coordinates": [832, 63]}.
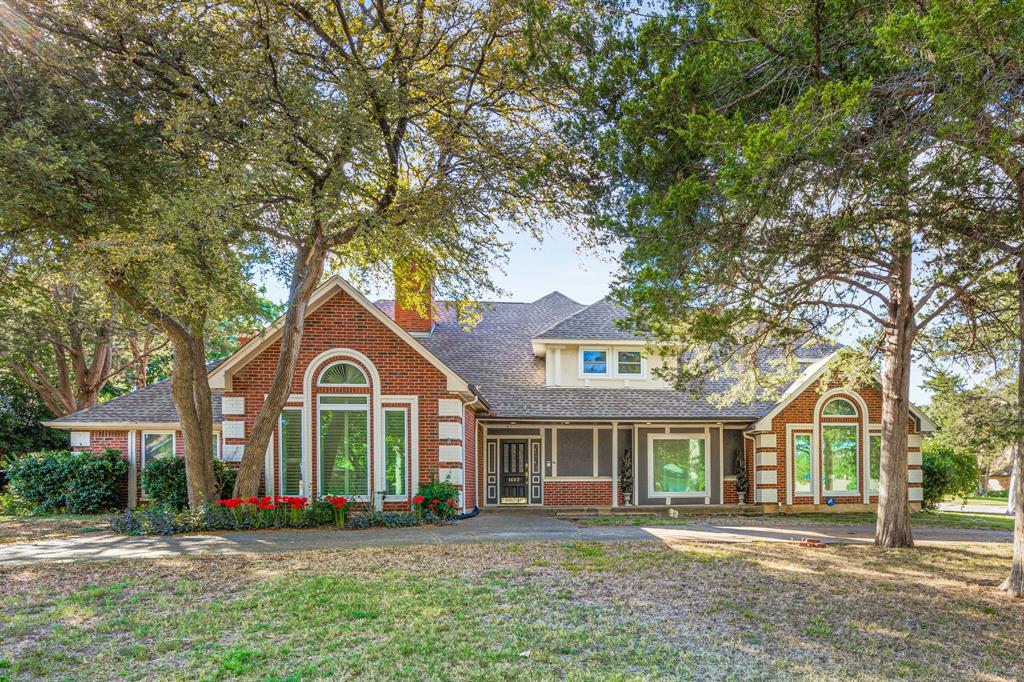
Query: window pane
{"type": "Point", "coordinates": [802, 463]}
{"type": "Point", "coordinates": [343, 400]}
{"type": "Point", "coordinates": [344, 452]}
{"type": "Point", "coordinates": [343, 373]}
{"type": "Point", "coordinates": [216, 445]}
{"type": "Point", "coordinates": [157, 445]}
{"type": "Point", "coordinates": [595, 362]}
{"type": "Point", "coordinates": [291, 452]}
{"type": "Point", "coordinates": [839, 408]}
{"type": "Point", "coordinates": [395, 449]}
{"type": "Point", "coordinates": [839, 458]}
{"type": "Point", "coordinates": [875, 475]}
{"type": "Point", "coordinates": [679, 465]}
{"type": "Point", "coordinates": [630, 363]}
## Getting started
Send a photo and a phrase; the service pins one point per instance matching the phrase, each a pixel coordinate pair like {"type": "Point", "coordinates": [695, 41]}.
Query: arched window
{"type": "Point", "coordinates": [342, 374]}
{"type": "Point", "coordinates": [840, 407]}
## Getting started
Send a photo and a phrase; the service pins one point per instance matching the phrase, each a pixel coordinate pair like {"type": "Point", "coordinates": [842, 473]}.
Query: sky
{"type": "Point", "coordinates": [535, 269]}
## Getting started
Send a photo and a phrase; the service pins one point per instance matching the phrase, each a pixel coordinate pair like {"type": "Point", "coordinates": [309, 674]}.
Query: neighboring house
{"type": "Point", "coordinates": [538, 404]}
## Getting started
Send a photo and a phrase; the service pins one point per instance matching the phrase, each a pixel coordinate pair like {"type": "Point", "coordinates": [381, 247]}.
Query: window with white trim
{"type": "Point", "coordinates": [839, 459]}
{"type": "Point", "coordinates": [874, 463]}
{"type": "Point", "coordinates": [342, 374]}
{"type": "Point", "coordinates": [839, 407]}
{"type": "Point", "coordinates": [157, 446]}
{"type": "Point", "coordinates": [344, 445]}
{"type": "Point", "coordinates": [678, 466]}
{"type": "Point", "coordinates": [216, 444]}
{"type": "Point", "coordinates": [594, 362]}
{"type": "Point", "coordinates": [629, 363]}
{"type": "Point", "coordinates": [396, 451]}
{"type": "Point", "coordinates": [802, 481]}
{"type": "Point", "coordinates": [290, 451]}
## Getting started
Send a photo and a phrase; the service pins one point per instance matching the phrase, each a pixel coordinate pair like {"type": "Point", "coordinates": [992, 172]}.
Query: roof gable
{"type": "Point", "coordinates": [598, 321]}
{"type": "Point", "coordinates": [220, 378]}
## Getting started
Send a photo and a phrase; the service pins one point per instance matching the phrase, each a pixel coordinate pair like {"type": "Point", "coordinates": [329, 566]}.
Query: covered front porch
{"type": "Point", "coordinates": [611, 465]}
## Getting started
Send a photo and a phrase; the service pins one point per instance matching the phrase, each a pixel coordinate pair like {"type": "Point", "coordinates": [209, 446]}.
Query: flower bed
{"type": "Point", "coordinates": [277, 512]}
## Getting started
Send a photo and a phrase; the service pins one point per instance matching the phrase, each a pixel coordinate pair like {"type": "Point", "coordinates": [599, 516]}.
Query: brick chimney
{"type": "Point", "coordinates": [409, 282]}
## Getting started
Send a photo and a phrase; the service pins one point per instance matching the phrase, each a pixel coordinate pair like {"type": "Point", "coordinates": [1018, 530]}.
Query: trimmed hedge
{"type": "Point", "coordinates": [163, 481]}
{"type": "Point", "coordinates": [56, 481]}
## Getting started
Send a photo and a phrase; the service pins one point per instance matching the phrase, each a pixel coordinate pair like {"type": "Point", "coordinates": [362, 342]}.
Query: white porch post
{"type": "Point", "coordinates": [615, 464]}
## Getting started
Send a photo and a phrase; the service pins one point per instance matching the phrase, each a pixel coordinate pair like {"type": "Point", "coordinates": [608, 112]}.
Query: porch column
{"type": "Point", "coordinates": [615, 464]}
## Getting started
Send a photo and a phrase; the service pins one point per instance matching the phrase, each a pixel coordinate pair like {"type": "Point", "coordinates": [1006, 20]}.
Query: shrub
{"type": "Point", "coordinates": [438, 498]}
{"type": "Point", "coordinates": [56, 481]}
{"type": "Point", "coordinates": [253, 513]}
{"type": "Point", "coordinates": [12, 505]}
{"type": "Point", "coordinates": [947, 471]}
{"type": "Point", "coordinates": [164, 481]}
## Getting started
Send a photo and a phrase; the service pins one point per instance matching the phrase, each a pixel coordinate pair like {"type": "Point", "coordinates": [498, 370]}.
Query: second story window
{"type": "Point", "coordinates": [595, 363]}
{"type": "Point", "coordinates": [629, 363]}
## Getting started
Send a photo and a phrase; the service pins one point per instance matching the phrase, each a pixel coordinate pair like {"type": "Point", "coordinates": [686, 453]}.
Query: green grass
{"type": "Point", "coordinates": [576, 611]}
{"type": "Point", "coordinates": [937, 519]}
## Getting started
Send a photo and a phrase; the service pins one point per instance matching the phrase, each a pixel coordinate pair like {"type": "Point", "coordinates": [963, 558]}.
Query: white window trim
{"type": "Point", "coordinates": [216, 445]}
{"type": "Point", "coordinates": [280, 450]}
{"type": "Point", "coordinates": [872, 433]}
{"type": "Point", "coordinates": [320, 378]}
{"type": "Point", "coordinates": [612, 355]}
{"type": "Point", "coordinates": [793, 430]}
{"type": "Point", "coordinates": [408, 450]}
{"type": "Point", "coordinates": [651, 437]}
{"type": "Point", "coordinates": [174, 443]}
{"type": "Point", "coordinates": [821, 445]}
{"type": "Point", "coordinates": [345, 407]}
{"type": "Point", "coordinates": [593, 375]}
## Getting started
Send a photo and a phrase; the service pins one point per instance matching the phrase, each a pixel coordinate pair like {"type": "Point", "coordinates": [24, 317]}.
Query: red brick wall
{"type": "Point", "coordinates": [577, 493]}
{"type": "Point", "coordinates": [801, 410]}
{"type": "Point", "coordinates": [342, 323]}
{"type": "Point", "coordinates": [469, 456]}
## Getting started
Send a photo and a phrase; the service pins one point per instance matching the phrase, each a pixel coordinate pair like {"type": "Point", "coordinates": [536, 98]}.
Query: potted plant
{"type": "Point", "coordinates": [741, 476]}
{"type": "Point", "coordinates": [626, 477]}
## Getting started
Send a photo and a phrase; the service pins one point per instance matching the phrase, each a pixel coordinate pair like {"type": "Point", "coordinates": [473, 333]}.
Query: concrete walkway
{"type": "Point", "coordinates": [488, 527]}
{"type": "Point", "coordinates": [973, 508]}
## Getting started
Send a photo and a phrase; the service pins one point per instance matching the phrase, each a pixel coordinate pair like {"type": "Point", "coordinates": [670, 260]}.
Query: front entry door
{"type": "Point", "coordinates": [514, 472]}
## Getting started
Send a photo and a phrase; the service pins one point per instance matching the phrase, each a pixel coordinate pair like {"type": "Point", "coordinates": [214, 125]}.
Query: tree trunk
{"type": "Point", "coordinates": [306, 274]}
{"type": "Point", "coordinates": [1014, 583]}
{"type": "Point", "coordinates": [893, 527]}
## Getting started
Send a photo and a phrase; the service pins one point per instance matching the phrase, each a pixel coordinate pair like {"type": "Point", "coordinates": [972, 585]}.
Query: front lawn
{"type": "Point", "coordinates": [942, 519]}
{"type": "Point", "coordinates": [532, 611]}
{"type": "Point", "coordinates": [31, 528]}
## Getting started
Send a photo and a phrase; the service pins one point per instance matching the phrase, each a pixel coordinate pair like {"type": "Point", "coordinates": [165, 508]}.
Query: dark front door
{"type": "Point", "coordinates": [514, 472]}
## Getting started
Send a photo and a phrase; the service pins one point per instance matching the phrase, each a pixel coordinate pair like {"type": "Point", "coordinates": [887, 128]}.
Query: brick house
{"type": "Point", "coordinates": [539, 404]}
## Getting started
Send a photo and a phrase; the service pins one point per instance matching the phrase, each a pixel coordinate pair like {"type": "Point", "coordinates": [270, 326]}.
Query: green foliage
{"type": "Point", "coordinates": [948, 471]}
{"type": "Point", "coordinates": [21, 414]}
{"type": "Point", "coordinates": [56, 481]}
{"type": "Point", "coordinates": [164, 482]}
{"type": "Point", "coordinates": [440, 498]}
{"type": "Point", "coordinates": [153, 519]}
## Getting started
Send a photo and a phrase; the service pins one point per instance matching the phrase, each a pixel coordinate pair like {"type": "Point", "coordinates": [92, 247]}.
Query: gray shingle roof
{"type": "Point", "coordinates": [596, 321]}
{"type": "Point", "coordinates": [153, 404]}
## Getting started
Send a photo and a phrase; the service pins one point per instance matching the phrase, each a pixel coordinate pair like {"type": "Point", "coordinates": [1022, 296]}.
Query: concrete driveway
{"type": "Point", "coordinates": [488, 527]}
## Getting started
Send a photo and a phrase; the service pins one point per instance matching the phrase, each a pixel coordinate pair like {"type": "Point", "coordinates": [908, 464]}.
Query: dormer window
{"type": "Point", "coordinates": [611, 363]}
{"type": "Point", "coordinates": [594, 362]}
{"type": "Point", "coordinates": [629, 363]}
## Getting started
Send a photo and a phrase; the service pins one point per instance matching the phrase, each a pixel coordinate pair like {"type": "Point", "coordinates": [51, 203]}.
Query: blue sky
{"type": "Point", "coordinates": [557, 264]}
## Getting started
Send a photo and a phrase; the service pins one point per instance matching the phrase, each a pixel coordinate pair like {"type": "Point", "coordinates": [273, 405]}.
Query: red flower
{"type": "Point", "coordinates": [231, 503]}
{"type": "Point", "coordinates": [418, 499]}
{"type": "Point", "coordinates": [253, 499]}
{"type": "Point", "coordinates": [450, 503]}
{"type": "Point", "coordinates": [433, 503]}
{"type": "Point", "coordinates": [338, 501]}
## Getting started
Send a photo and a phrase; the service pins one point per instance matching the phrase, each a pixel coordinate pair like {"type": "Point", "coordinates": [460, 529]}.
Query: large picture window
{"type": "Point", "coordinates": [396, 451]}
{"type": "Point", "coordinates": [156, 446]}
{"type": "Point", "coordinates": [678, 466]}
{"type": "Point", "coordinates": [839, 458]}
{"type": "Point", "coordinates": [344, 429]}
{"type": "Point", "coordinates": [290, 452]}
{"type": "Point", "coordinates": [802, 482]}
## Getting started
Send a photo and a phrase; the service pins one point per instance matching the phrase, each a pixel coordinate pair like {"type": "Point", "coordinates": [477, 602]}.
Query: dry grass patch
{"type": "Point", "coordinates": [32, 528]}
{"type": "Point", "coordinates": [539, 611]}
